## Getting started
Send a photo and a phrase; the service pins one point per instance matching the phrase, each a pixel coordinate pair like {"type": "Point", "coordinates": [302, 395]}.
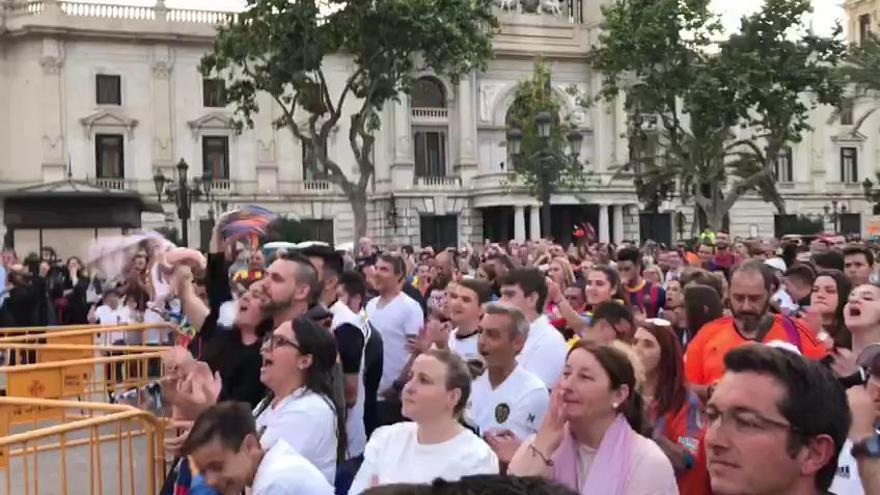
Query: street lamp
{"type": "Point", "coordinates": [835, 213]}
{"type": "Point", "coordinates": [542, 120]}
{"type": "Point", "coordinates": [544, 154]}
{"type": "Point", "coordinates": [183, 193]}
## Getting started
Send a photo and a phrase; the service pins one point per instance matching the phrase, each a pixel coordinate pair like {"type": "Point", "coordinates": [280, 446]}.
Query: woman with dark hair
{"type": "Point", "coordinates": [603, 285]}
{"type": "Point", "coordinates": [434, 444]}
{"type": "Point", "coordinates": [673, 411]}
{"type": "Point", "coordinates": [830, 292]}
{"type": "Point", "coordinates": [702, 305]}
{"type": "Point", "coordinates": [74, 288]}
{"type": "Point", "coordinates": [590, 438]}
{"type": "Point", "coordinates": [298, 360]}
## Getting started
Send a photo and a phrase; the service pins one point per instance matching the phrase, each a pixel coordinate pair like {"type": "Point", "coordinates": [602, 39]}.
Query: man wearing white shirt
{"type": "Point", "coordinates": [225, 447]}
{"type": "Point", "coordinates": [506, 401]}
{"type": "Point", "coordinates": [545, 350]}
{"type": "Point", "coordinates": [464, 304]}
{"type": "Point", "coordinates": [399, 319]}
{"type": "Point", "coordinates": [111, 313]}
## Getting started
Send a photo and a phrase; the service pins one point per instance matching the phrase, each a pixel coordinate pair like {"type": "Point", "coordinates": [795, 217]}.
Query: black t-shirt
{"type": "Point", "coordinates": [350, 341]}
{"type": "Point", "coordinates": [373, 361]}
{"type": "Point", "coordinates": [414, 293]}
{"type": "Point", "coordinates": [239, 364]}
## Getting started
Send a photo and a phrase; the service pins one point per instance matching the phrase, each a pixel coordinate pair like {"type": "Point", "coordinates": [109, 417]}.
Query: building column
{"type": "Point", "coordinates": [519, 223]}
{"type": "Point", "coordinates": [403, 165]}
{"type": "Point", "coordinates": [163, 114]}
{"type": "Point", "coordinates": [467, 128]}
{"type": "Point", "coordinates": [535, 222]}
{"type": "Point", "coordinates": [54, 152]}
{"type": "Point", "coordinates": [617, 231]}
{"type": "Point", "coordinates": [603, 224]}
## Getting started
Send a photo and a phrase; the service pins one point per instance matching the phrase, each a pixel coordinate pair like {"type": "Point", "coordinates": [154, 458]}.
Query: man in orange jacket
{"type": "Point", "coordinates": [751, 321]}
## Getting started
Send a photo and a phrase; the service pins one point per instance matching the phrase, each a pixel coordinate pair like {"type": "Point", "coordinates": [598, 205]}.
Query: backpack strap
{"type": "Point", "coordinates": [791, 332]}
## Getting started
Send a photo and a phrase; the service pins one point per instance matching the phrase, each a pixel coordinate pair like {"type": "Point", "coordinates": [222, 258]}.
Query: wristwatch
{"type": "Point", "coordinates": [868, 448]}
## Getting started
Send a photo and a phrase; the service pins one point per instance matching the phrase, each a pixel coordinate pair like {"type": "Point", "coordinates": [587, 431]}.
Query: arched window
{"type": "Point", "coordinates": [428, 93]}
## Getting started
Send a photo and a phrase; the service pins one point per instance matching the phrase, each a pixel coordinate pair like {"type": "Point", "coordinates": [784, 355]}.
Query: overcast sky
{"type": "Point", "coordinates": [825, 12]}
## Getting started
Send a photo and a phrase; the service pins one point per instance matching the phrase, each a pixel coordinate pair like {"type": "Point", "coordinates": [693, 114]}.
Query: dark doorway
{"type": "Point", "coordinates": [439, 231]}
{"type": "Point", "coordinates": [318, 230]}
{"type": "Point", "coordinates": [850, 224]}
{"type": "Point", "coordinates": [796, 224]}
{"type": "Point", "coordinates": [656, 227]}
{"type": "Point", "coordinates": [566, 217]}
{"type": "Point", "coordinates": [497, 223]}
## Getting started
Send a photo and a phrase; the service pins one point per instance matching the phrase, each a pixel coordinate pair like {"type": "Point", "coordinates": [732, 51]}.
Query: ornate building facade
{"type": "Point", "coordinates": [108, 96]}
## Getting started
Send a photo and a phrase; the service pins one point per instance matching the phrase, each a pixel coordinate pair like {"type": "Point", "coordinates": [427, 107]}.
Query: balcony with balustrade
{"type": "Point", "coordinates": [437, 183]}
{"type": "Point", "coordinates": [116, 184]}
{"type": "Point", "coordinates": [69, 15]}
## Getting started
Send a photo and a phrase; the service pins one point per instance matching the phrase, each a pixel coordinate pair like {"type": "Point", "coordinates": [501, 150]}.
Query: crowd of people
{"type": "Point", "coordinates": [728, 367]}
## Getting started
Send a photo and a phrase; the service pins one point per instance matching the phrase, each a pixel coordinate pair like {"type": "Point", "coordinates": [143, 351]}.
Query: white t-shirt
{"type": "Point", "coordinates": [399, 319]}
{"type": "Point", "coordinates": [517, 404]}
{"type": "Point", "coordinates": [283, 471]}
{"type": "Point", "coordinates": [307, 422]}
{"type": "Point", "coordinates": [394, 455]}
{"type": "Point", "coordinates": [545, 351]}
{"type": "Point", "coordinates": [107, 316]}
{"type": "Point", "coordinates": [465, 347]}
{"type": "Point", "coordinates": [846, 479]}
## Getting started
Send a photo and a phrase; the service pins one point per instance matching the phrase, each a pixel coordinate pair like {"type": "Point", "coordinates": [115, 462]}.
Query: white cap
{"type": "Point", "coordinates": [776, 263]}
{"type": "Point", "coordinates": [785, 346]}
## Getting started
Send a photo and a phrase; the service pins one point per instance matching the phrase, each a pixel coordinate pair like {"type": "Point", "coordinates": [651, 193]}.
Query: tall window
{"type": "Point", "coordinates": [109, 162]}
{"type": "Point", "coordinates": [429, 146]}
{"type": "Point", "coordinates": [213, 93]}
{"type": "Point", "coordinates": [428, 93]}
{"type": "Point", "coordinates": [846, 113]}
{"type": "Point", "coordinates": [108, 89]}
{"type": "Point", "coordinates": [784, 166]}
{"type": "Point", "coordinates": [215, 156]}
{"type": "Point", "coordinates": [439, 231]}
{"type": "Point", "coordinates": [313, 169]}
{"type": "Point", "coordinates": [849, 165]}
{"type": "Point", "coordinates": [864, 27]}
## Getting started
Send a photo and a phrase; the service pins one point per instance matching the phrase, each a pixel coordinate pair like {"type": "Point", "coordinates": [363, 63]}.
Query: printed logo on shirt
{"type": "Point", "coordinates": [690, 443]}
{"type": "Point", "coordinates": [502, 412]}
{"type": "Point", "coordinates": [843, 472]}
{"type": "Point", "coordinates": [530, 418]}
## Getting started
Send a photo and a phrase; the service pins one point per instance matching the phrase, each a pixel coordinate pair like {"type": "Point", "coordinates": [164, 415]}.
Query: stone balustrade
{"type": "Point", "coordinates": [156, 13]}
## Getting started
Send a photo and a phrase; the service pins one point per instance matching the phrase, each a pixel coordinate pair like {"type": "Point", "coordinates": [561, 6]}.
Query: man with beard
{"type": "Point", "coordinates": [287, 287]}
{"type": "Point", "coordinates": [751, 321]}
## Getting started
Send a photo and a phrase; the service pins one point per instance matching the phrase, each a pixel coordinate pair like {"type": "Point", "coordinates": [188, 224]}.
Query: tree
{"type": "Point", "coordinates": [728, 107]}
{"type": "Point", "coordinates": [541, 162]}
{"type": "Point", "coordinates": [862, 71]}
{"type": "Point", "coordinates": [281, 47]}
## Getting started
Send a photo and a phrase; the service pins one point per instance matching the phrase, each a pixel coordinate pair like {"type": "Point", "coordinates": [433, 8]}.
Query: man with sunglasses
{"type": "Point", "coordinates": [776, 424]}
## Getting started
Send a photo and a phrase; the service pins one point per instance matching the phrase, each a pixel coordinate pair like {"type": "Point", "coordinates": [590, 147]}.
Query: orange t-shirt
{"type": "Point", "coordinates": [704, 359]}
{"type": "Point", "coordinates": [685, 427]}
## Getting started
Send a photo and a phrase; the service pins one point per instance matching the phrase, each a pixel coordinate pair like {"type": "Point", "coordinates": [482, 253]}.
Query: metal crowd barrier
{"type": "Point", "coordinates": [111, 450]}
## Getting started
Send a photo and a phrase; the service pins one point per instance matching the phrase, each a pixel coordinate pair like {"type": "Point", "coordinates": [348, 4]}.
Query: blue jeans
{"type": "Point", "coordinates": [345, 474]}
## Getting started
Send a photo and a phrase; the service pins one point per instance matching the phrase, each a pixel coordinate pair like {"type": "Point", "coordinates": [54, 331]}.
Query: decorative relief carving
{"type": "Point", "coordinates": [162, 69]}
{"type": "Point", "coordinates": [488, 94]}
{"type": "Point", "coordinates": [51, 65]}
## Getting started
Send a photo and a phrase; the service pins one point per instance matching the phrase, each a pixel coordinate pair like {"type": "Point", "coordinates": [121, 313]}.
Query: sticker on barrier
{"type": "Point", "coordinates": [42, 384]}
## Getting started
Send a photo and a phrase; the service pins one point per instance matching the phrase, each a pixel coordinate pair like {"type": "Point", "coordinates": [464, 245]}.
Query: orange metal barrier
{"type": "Point", "coordinates": [93, 379]}
{"type": "Point", "coordinates": [114, 449]}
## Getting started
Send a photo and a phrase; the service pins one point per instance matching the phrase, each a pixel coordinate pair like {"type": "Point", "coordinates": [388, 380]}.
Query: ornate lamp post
{"type": "Point", "coordinates": [183, 193]}
{"type": "Point", "coordinates": [544, 155]}
{"type": "Point", "coordinates": [835, 213]}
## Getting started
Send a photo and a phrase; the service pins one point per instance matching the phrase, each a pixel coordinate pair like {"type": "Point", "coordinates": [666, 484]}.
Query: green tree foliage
{"type": "Point", "coordinates": [544, 166]}
{"type": "Point", "coordinates": [862, 70]}
{"type": "Point", "coordinates": [283, 48]}
{"type": "Point", "coordinates": [726, 107]}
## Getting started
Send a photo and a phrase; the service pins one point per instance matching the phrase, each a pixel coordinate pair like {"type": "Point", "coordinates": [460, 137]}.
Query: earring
{"type": "Point", "coordinates": [614, 405]}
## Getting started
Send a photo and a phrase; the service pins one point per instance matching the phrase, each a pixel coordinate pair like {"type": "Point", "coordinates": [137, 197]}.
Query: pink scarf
{"type": "Point", "coordinates": [607, 473]}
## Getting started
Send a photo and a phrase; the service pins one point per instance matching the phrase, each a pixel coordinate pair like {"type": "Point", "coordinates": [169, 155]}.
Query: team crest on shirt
{"type": "Point", "coordinates": [502, 412]}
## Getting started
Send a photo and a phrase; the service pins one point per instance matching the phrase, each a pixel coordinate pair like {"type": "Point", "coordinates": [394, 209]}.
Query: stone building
{"type": "Point", "coordinates": [104, 97]}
